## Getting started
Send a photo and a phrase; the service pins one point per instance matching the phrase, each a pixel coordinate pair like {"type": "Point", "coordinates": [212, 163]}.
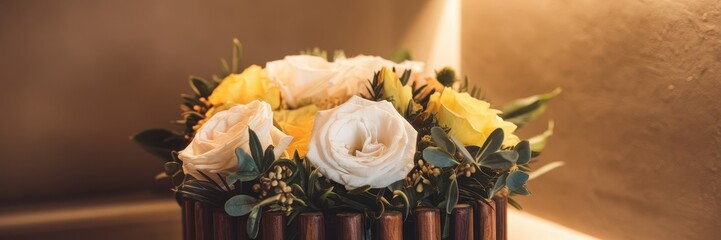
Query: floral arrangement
{"type": "Point", "coordinates": [361, 134]}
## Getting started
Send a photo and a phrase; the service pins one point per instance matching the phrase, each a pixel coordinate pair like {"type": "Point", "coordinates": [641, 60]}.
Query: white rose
{"type": "Point", "coordinates": [213, 148]}
{"type": "Point", "coordinates": [362, 142]}
{"type": "Point", "coordinates": [307, 78]}
{"type": "Point", "coordinates": [302, 77]}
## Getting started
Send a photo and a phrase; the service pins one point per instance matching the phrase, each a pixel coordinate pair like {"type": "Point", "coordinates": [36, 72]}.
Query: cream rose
{"type": "Point", "coordinates": [304, 79]}
{"type": "Point", "coordinates": [213, 148]}
{"type": "Point", "coordinates": [361, 143]}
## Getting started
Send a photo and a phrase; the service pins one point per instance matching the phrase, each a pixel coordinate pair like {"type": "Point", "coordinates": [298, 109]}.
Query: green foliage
{"type": "Point", "coordinates": [240, 205]}
{"type": "Point", "coordinates": [524, 110]}
{"type": "Point", "coordinates": [401, 55]}
{"type": "Point", "coordinates": [438, 157]}
{"type": "Point", "coordinates": [160, 142]}
{"type": "Point", "coordinates": [375, 90]}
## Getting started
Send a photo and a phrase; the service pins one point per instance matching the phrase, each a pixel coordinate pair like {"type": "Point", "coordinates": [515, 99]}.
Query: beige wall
{"type": "Point", "coordinates": [639, 121]}
{"type": "Point", "coordinates": [79, 77]}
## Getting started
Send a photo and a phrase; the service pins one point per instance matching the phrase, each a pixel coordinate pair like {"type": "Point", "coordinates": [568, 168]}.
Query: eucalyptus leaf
{"type": "Point", "coordinates": [527, 109]}
{"type": "Point", "coordinates": [492, 144]}
{"type": "Point", "coordinates": [268, 157]}
{"type": "Point", "coordinates": [398, 185]}
{"type": "Point", "coordinates": [240, 205]}
{"type": "Point", "coordinates": [438, 157]}
{"type": "Point", "coordinates": [241, 176]}
{"type": "Point", "coordinates": [516, 180]}
{"type": "Point", "coordinates": [500, 183]}
{"type": "Point", "coordinates": [500, 160]}
{"type": "Point", "coordinates": [245, 161]}
{"type": "Point", "coordinates": [254, 222]}
{"type": "Point", "coordinates": [524, 152]}
{"type": "Point", "coordinates": [442, 140]}
{"type": "Point", "coordinates": [452, 195]}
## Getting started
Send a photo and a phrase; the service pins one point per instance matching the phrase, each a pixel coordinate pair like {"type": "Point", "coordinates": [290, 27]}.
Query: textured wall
{"type": "Point", "coordinates": [79, 77]}
{"type": "Point", "coordinates": [639, 121]}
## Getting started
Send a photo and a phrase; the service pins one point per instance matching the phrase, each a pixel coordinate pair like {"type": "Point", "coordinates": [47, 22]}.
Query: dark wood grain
{"type": "Point", "coordinates": [485, 216]}
{"type": "Point", "coordinates": [188, 219]}
{"type": "Point", "coordinates": [273, 225]}
{"type": "Point", "coordinates": [223, 225]}
{"type": "Point", "coordinates": [462, 222]}
{"type": "Point", "coordinates": [311, 226]}
{"type": "Point", "coordinates": [501, 218]}
{"type": "Point", "coordinates": [349, 226]}
{"type": "Point", "coordinates": [203, 221]}
{"type": "Point", "coordinates": [389, 226]}
{"type": "Point", "coordinates": [427, 224]}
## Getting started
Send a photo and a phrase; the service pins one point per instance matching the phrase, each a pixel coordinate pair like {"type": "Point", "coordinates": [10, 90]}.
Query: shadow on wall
{"type": "Point", "coordinates": [638, 121]}
{"type": "Point", "coordinates": [81, 77]}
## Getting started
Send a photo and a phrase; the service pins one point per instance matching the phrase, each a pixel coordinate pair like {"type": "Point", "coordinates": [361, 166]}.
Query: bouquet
{"type": "Point", "coordinates": [362, 134]}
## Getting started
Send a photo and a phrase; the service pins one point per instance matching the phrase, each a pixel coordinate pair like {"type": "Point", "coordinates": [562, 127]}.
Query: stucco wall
{"type": "Point", "coordinates": [79, 77]}
{"type": "Point", "coordinates": [639, 121]}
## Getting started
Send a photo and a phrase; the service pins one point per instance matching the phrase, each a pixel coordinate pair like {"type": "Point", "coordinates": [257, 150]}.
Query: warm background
{"type": "Point", "coordinates": [638, 123]}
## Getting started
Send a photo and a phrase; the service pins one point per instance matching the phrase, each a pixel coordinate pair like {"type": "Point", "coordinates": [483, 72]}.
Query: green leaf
{"type": "Point", "coordinates": [360, 190]}
{"type": "Point", "coordinates": [516, 180]}
{"type": "Point", "coordinates": [245, 161]}
{"type": "Point", "coordinates": [240, 205]}
{"type": "Point", "coordinates": [160, 142]}
{"type": "Point", "coordinates": [500, 160]}
{"type": "Point", "coordinates": [398, 185]}
{"type": "Point", "coordinates": [467, 157]}
{"type": "Point", "coordinates": [500, 183]}
{"type": "Point", "coordinates": [268, 157]}
{"type": "Point", "coordinates": [200, 87]}
{"type": "Point", "coordinates": [173, 167]}
{"type": "Point", "coordinates": [438, 157]}
{"type": "Point", "coordinates": [241, 176]}
{"type": "Point", "coordinates": [401, 55]}
{"type": "Point", "coordinates": [237, 53]}
{"type": "Point", "coordinates": [538, 142]}
{"type": "Point", "coordinates": [256, 149]}
{"type": "Point", "coordinates": [524, 110]}
{"type": "Point", "coordinates": [224, 68]}
{"type": "Point", "coordinates": [513, 203]}
{"type": "Point", "coordinates": [452, 195]}
{"type": "Point", "coordinates": [406, 202]}
{"type": "Point", "coordinates": [442, 140]}
{"type": "Point", "coordinates": [524, 152]}
{"type": "Point", "coordinates": [312, 180]}
{"type": "Point", "coordinates": [546, 168]}
{"type": "Point", "coordinates": [254, 222]}
{"type": "Point", "coordinates": [491, 145]}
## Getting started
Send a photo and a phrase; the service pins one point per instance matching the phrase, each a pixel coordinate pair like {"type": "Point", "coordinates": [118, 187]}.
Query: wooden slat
{"type": "Point", "coordinates": [223, 225]}
{"type": "Point", "coordinates": [188, 214]}
{"type": "Point", "coordinates": [349, 226]}
{"type": "Point", "coordinates": [389, 226]}
{"type": "Point", "coordinates": [242, 227]}
{"type": "Point", "coordinates": [427, 224]}
{"type": "Point", "coordinates": [501, 218]}
{"type": "Point", "coordinates": [311, 226]}
{"type": "Point", "coordinates": [203, 221]}
{"type": "Point", "coordinates": [462, 222]}
{"type": "Point", "coordinates": [485, 216]}
{"type": "Point", "coordinates": [273, 225]}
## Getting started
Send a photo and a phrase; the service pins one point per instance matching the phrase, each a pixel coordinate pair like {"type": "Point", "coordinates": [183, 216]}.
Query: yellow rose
{"type": "Point", "coordinates": [252, 84]}
{"type": "Point", "coordinates": [470, 120]}
{"type": "Point", "coordinates": [297, 123]}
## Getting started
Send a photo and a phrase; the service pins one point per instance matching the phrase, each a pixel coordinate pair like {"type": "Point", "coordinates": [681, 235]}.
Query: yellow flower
{"type": "Point", "coordinates": [297, 123]}
{"type": "Point", "coordinates": [396, 93]}
{"type": "Point", "coordinates": [252, 84]}
{"type": "Point", "coordinates": [470, 120]}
